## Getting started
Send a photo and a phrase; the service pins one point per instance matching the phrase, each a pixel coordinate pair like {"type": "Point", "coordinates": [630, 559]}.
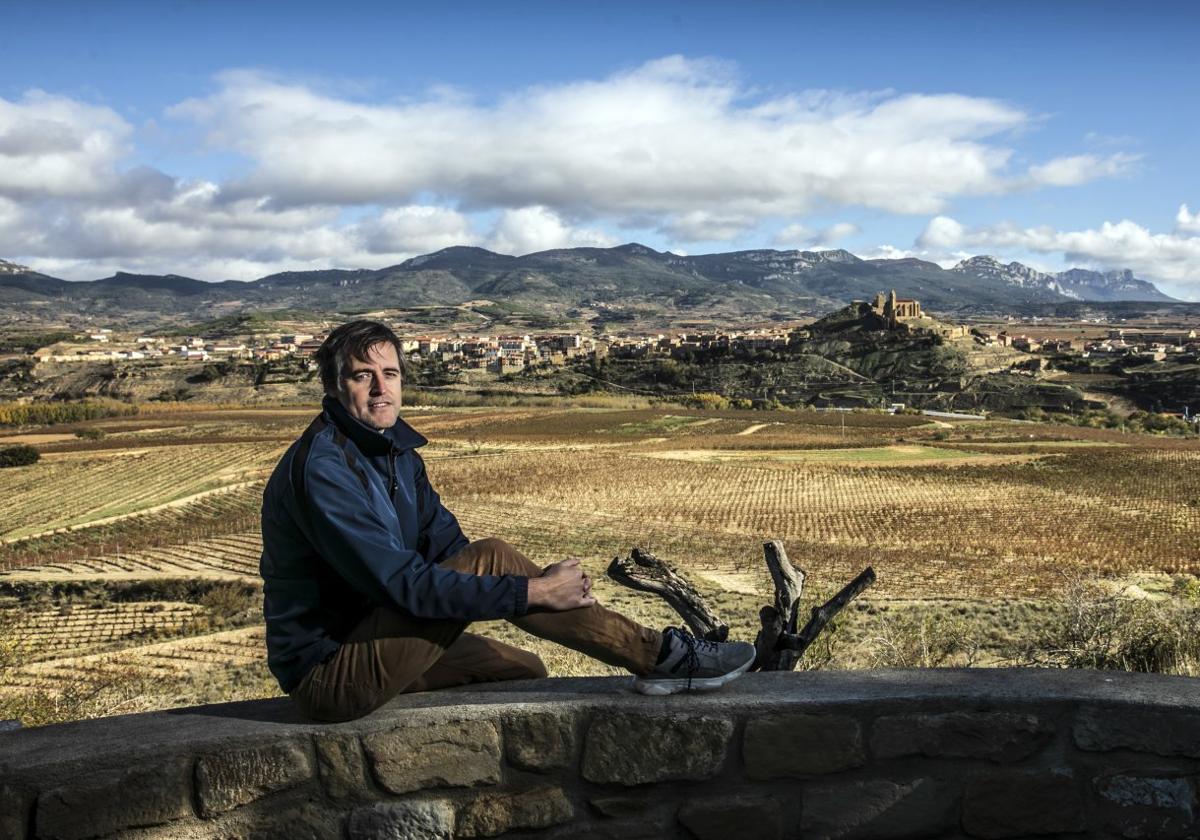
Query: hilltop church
{"type": "Point", "coordinates": [893, 310]}
{"type": "Point", "coordinates": [897, 314]}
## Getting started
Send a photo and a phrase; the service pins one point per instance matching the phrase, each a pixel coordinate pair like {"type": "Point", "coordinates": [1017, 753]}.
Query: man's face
{"type": "Point", "coordinates": [370, 389]}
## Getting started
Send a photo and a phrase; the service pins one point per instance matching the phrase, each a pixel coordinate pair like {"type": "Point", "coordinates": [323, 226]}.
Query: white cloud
{"type": "Point", "coordinates": [834, 232]}
{"type": "Point", "coordinates": [1172, 258]}
{"type": "Point", "coordinates": [942, 233]}
{"type": "Point", "coordinates": [674, 138]}
{"type": "Point", "coordinates": [795, 236]}
{"type": "Point", "coordinates": [53, 146]}
{"type": "Point", "coordinates": [888, 252]}
{"type": "Point", "coordinates": [416, 229]}
{"type": "Point", "coordinates": [12, 215]}
{"type": "Point", "coordinates": [678, 146]}
{"type": "Point", "coordinates": [1186, 222]}
{"type": "Point", "coordinates": [197, 230]}
{"type": "Point", "coordinates": [801, 237]}
{"type": "Point", "coordinates": [1079, 169]}
{"type": "Point", "coordinates": [532, 229]}
{"type": "Point", "coordinates": [703, 226]}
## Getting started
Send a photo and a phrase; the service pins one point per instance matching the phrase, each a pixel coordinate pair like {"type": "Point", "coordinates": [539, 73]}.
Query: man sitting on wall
{"type": "Point", "coordinates": [370, 583]}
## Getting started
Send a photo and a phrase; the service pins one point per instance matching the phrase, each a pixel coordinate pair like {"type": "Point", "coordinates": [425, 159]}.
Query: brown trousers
{"type": "Point", "coordinates": [389, 653]}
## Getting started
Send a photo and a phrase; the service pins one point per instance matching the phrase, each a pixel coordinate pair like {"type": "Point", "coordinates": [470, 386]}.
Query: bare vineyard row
{"type": "Point", "coordinates": [164, 660]}
{"type": "Point", "coordinates": [75, 488]}
{"type": "Point", "coordinates": [984, 518]}
{"type": "Point", "coordinates": [584, 426]}
{"type": "Point", "coordinates": [233, 555]}
{"type": "Point", "coordinates": [48, 634]}
{"type": "Point", "coordinates": [218, 513]}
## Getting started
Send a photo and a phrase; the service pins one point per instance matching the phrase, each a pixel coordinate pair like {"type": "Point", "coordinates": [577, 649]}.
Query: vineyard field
{"type": "Point", "coordinates": [232, 555]}
{"type": "Point", "coordinates": [72, 489]}
{"type": "Point", "coordinates": [129, 560]}
{"type": "Point", "coordinates": [69, 632]}
{"type": "Point", "coordinates": [165, 661]}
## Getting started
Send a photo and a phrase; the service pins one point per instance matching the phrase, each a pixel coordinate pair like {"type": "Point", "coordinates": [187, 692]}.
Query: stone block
{"type": "Point", "coordinates": [496, 813]}
{"type": "Point", "coordinates": [540, 741]}
{"type": "Point", "coordinates": [1146, 806]}
{"type": "Point", "coordinates": [627, 804]}
{"type": "Point", "coordinates": [635, 749]}
{"type": "Point", "coordinates": [1022, 804]}
{"type": "Point", "coordinates": [997, 736]}
{"type": "Point", "coordinates": [229, 779]}
{"type": "Point", "coordinates": [413, 820]}
{"type": "Point", "coordinates": [311, 820]}
{"type": "Point", "coordinates": [878, 809]}
{"type": "Point", "coordinates": [460, 754]}
{"type": "Point", "coordinates": [107, 803]}
{"type": "Point", "coordinates": [733, 816]}
{"type": "Point", "coordinates": [341, 766]}
{"type": "Point", "coordinates": [16, 807]}
{"type": "Point", "coordinates": [1104, 730]}
{"type": "Point", "coordinates": [639, 829]}
{"type": "Point", "coordinates": [797, 744]}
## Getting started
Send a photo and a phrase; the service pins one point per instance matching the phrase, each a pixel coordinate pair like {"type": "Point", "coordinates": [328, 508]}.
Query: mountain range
{"type": "Point", "coordinates": [629, 277]}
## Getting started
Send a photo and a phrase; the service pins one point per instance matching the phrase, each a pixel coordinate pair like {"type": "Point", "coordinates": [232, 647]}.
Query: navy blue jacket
{"type": "Point", "coordinates": [350, 523]}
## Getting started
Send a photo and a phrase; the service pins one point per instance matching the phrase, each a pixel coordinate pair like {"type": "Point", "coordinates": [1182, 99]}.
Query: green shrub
{"type": "Point", "coordinates": [89, 433]}
{"type": "Point", "coordinates": [18, 456]}
{"type": "Point", "coordinates": [1159, 424]}
{"type": "Point", "coordinates": [50, 413]}
{"type": "Point", "coordinates": [921, 639]}
{"type": "Point", "coordinates": [706, 399]}
{"type": "Point", "coordinates": [233, 602]}
{"type": "Point", "coordinates": [1100, 628]}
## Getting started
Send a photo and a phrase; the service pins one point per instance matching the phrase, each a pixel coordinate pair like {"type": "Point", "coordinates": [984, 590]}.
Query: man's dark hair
{"type": "Point", "coordinates": [352, 341]}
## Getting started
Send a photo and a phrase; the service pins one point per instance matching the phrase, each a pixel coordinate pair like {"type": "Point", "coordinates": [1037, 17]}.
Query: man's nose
{"type": "Point", "coordinates": [376, 385]}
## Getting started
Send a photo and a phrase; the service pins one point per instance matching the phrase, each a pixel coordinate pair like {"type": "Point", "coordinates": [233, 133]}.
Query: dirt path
{"type": "Point", "coordinates": [31, 439]}
{"type": "Point", "coordinates": [749, 430]}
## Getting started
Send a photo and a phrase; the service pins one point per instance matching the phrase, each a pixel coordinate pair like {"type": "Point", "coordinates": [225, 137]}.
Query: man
{"type": "Point", "coordinates": [370, 583]}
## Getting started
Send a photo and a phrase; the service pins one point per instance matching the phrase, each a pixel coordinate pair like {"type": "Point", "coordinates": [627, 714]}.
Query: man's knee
{"type": "Point", "coordinates": [492, 555]}
{"type": "Point", "coordinates": [532, 666]}
{"type": "Point", "coordinates": [493, 545]}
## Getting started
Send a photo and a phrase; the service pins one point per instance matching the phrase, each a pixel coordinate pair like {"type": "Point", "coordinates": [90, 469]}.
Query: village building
{"type": "Point", "coordinates": [310, 346]}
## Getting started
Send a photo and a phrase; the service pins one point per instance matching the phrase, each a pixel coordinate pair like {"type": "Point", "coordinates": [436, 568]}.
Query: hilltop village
{"type": "Point", "coordinates": [497, 354]}
{"type": "Point", "coordinates": [508, 353]}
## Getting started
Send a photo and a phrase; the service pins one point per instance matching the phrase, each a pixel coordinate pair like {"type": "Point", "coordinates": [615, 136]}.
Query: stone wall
{"type": "Point", "coordinates": [876, 754]}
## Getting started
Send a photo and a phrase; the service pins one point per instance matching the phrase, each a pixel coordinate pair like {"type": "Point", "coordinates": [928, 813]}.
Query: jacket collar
{"type": "Point", "coordinates": [371, 441]}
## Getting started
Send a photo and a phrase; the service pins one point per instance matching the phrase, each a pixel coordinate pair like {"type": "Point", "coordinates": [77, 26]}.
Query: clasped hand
{"type": "Point", "coordinates": [561, 586]}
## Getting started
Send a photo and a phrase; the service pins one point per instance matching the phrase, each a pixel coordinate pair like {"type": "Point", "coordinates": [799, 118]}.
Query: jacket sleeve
{"type": "Point", "coordinates": [439, 525]}
{"type": "Point", "coordinates": [357, 539]}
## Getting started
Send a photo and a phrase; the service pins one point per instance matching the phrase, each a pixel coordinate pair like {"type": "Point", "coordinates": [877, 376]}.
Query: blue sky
{"type": "Point", "coordinates": [227, 140]}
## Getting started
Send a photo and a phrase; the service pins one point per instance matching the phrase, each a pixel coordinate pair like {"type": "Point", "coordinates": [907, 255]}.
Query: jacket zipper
{"type": "Point", "coordinates": [392, 485]}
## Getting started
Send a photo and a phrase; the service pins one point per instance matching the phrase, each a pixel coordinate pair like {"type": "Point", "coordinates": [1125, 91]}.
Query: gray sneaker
{"type": "Point", "coordinates": [693, 664]}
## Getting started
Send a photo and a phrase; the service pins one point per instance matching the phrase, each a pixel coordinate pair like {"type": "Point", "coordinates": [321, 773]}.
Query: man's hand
{"type": "Point", "coordinates": [561, 586]}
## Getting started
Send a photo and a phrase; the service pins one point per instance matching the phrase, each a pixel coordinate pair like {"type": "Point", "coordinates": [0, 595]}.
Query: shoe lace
{"type": "Point", "coordinates": [694, 645]}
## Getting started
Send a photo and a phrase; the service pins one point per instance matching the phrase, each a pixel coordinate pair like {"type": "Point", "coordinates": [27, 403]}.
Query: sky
{"type": "Point", "coordinates": [234, 140]}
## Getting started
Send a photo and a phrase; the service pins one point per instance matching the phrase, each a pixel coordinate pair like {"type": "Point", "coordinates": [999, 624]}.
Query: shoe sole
{"type": "Point", "coordinates": [661, 688]}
